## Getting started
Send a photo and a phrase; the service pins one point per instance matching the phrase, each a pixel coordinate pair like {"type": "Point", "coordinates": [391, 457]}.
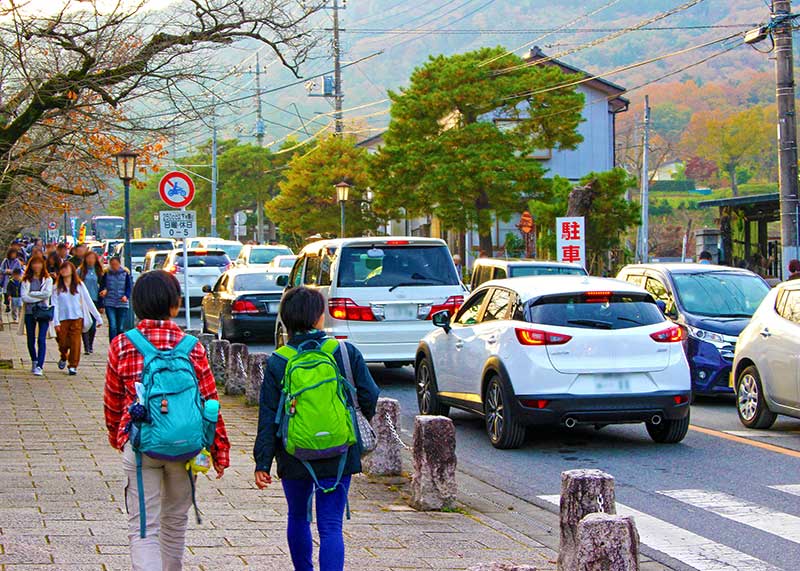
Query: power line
{"type": "Point", "coordinates": [522, 32]}
{"type": "Point", "coordinates": [464, 17]}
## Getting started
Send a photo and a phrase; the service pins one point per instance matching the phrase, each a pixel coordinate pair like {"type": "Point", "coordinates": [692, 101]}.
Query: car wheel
{"type": "Point", "coordinates": [750, 402]}
{"type": "Point", "coordinates": [504, 430]}
{"type": "Point", "coordinates": [428, 391]}
{"type": "Point", "coordinates": [668, 431]}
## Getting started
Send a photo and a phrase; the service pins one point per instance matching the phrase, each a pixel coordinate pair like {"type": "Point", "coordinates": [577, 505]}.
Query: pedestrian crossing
{"type": "Point", "coordinates": [704, 554]}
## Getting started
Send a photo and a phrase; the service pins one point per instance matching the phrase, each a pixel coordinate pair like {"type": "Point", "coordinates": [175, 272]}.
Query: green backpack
{"type": "Point", "coordinates": [315, 417]}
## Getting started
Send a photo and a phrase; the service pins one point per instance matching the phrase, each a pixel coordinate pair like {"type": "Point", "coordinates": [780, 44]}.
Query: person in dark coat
{"type": "Point", "coordinates": [302, 313]}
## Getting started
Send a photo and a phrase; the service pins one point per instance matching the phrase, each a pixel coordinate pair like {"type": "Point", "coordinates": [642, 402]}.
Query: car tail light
{"type": "Point", "coordinates": [451, 305]}
{"type": "Point", "coordinates": [680, 399]}
{"type": "Point", "coordinates": [672, 334]}
{"type": "Point", "coordinates": [598, 296]}
{"type": "Point", "coordinates": [348, 310]}
{"type": "Point", "coordinates": [534, 403]}
{"type": "Point", "coordinates": [532, 337]}
{"type": "Point", "coordinates": [244, 306]}
{"type": "Point", "coordinates": [397, 242]}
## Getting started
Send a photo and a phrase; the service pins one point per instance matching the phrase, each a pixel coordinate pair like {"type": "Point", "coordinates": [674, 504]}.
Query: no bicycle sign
{"type": "Point", "coordinates": [176, 189]}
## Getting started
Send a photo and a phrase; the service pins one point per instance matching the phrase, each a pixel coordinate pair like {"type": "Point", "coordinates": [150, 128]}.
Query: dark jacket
{"type": "Point", "coordinates": [14, 289]}
{"type": "Point", "coordinates": [269, 446]}
{"type": "Point", "coordinates": [117, 284]}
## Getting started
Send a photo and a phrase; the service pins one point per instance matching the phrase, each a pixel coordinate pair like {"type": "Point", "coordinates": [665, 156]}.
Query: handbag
{"type": "Point", "coordinates": [43, 313]}
{"type": "Point", "coordinates": [366, 434]}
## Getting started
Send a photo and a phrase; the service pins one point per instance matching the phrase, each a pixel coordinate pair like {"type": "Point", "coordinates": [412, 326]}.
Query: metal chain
{"type": "Point", "coordinates": [393, 430]}
{"type": "Point", "coordinates": [601, 505]}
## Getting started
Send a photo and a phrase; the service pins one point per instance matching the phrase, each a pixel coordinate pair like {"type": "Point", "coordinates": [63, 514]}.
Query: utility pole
{"type": "Point", "coordinates": [260, 139]}
{"type": "Point", "coordinates": [337, 74]}
{"type": "Point", "coordinates": [644, 232]}
{"type": "Point", "coordinates": [214, 173]}
{"type": "Point", "coordinates": [787, 130]}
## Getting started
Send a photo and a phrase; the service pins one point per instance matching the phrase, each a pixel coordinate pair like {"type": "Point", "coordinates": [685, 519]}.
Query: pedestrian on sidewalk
{"type": "Point", "coordinates": [93, 276]}
{"type": "Point", "coordinates": [73, 314]}
{"type": "Point", "coordinates": [10, 263]}
{"type": "Point", "coordinates": [53, 263]}
{"type": "Point", "coordinates": [116, 294]}
{"type": "Point", "coordinates": [14, 291]}
{"type": "Point", "coordinates": [302, 313]}
{"type": "Point", "coordinates": [37, 287]}
{"type": "Point", "coordinates": [167, 491]}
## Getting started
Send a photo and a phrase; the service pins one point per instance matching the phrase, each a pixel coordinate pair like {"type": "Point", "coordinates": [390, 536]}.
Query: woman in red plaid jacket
{"type": "Point", "coordinates": [167, 490]}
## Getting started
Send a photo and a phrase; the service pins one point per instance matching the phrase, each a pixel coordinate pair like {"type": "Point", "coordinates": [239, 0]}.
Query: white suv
{"type": "Point", "coordinates": [381, 293]}
{"type": "Point", "coordinates": [555, 350]}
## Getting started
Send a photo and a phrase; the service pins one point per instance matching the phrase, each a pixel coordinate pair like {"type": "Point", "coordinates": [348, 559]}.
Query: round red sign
{"type": "Point", "coordinates": [176, 189]}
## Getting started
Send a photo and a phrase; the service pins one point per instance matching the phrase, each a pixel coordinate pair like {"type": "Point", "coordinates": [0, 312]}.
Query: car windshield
{"type": "Point", "coordinates": [257, 282]}
{"type": "Point", "coordinates": [231, 250]}
{"type": "Point", "coordinates": [596, 310]}
{"type": "Point", "coordinates": [266, 255]}
{"type": "Point", "coordinates": [140, 249]}
{"type": "Point", "coordinates": [524, 271]}
{"type": "Point", "coordinates": [720, 294]}
{"type": "Point", "coordinates": [204, 260]}
{"type": "Point", "coordinates": [286, 262]}
{"type": "Point", "coordinates": [395, 266]}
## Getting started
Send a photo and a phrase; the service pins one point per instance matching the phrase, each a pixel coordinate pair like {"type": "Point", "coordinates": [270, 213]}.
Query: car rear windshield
{"type": "Point", "coordinates": [257, 282]}
{"type": "Point", "coordinates": [204, 260]}
{"type": "Point", "coordinates": [140, 249]}
{"type": "Point", "coordinates": [231, 250]}
{"type": "Point", "coordinates": [266, 255]}
{"type": "Point", "coordinates": [596, 310]}
{"type": "Point", "coordinates": [395, 266]}
{"type": "Point", "coordinates": [525, 271]}
{"type": "Point", "coordinates": [720, 294]}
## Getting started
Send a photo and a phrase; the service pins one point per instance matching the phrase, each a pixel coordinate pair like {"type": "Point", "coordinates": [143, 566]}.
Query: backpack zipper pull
{"type": "Point", "coordinates": [293, 407]}
{"type": "Point", "coordinates": [164, 406]}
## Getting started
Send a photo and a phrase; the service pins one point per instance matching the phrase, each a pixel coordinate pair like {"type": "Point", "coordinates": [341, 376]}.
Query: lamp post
{"type": "Point", "coordinates": [342, 193]}
{"type": "Point", "coordinates": [126, 170]}
{"type": "Point", "coordinates": [65, 207]}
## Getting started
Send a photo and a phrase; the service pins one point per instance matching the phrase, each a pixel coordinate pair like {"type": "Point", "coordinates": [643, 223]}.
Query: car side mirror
{"type": "Point", "coordinates": [282, 280]}
{"type": "Point", "coordinates": [206, 288]}
{"type": "Point", "coordinates": [138, 269]}
{"type": "Point", "coordinates": [442, 319]}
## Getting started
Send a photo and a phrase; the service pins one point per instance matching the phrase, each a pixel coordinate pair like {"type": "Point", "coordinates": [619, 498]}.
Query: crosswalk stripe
{"type": "Point", "coordinates": [793, 489]}
{"type": "Point", "coordinates": [762, 518]}
{"type": "Point", "coordinates": [694, 550]}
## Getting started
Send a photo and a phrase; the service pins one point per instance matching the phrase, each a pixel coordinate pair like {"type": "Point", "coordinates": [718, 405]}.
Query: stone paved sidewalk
{"type": "Point", "coordinates": [62, 508]}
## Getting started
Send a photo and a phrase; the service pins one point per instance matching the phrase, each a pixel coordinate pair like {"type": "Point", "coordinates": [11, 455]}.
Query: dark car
{"type": "Point", "coordinates": [713, 304]}
{"type": "Point", "coordinates": [243, 304]}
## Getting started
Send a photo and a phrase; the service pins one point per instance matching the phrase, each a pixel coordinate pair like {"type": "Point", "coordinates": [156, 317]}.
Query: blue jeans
{"type": "Point", "coordinates": [30, 329]}
{"type": "Point", "coordinates": [117, 318]}
{"type": "Point", "coordinates": [329, 512]}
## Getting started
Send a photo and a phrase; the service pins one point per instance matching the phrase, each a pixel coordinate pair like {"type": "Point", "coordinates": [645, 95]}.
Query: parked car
{"type": "Point", "coordinates": [487, 269]}
{"type": "Point", "coordinates": [713, 304]}
{"type": "Point", "coordinates": [767, 363]}
{"type": "Point", "coordinates": [381, 293]}
{"type": "Point", "coordinates": [285, 262]}
{"type": "Point", "coordinates": [204, 269]}
{"type": "Point", "coordinates": [230, 247]}
{"type": "Point", "coordinates": [110, 248]}
{"type": "Point", "coordinates": [261, 255]}
{"type": "Point", "coordinates": [243, 304]}
{"type": "Point", "coordinates": [563, 350]}
{"type": "Point", "coordinates": [139, 249]}
{"type": "Point", "coordinates": [154, 260]}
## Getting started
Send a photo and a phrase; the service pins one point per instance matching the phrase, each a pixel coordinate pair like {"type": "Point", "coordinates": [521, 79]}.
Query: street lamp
{"type": "Point", "coordinates": [126, 171]}
{"type": "Point", "coordinates": [342, 193]}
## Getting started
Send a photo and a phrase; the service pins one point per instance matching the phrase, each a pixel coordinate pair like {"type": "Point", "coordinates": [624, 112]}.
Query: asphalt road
{"type": "Point", "coordinates": [709, 503]}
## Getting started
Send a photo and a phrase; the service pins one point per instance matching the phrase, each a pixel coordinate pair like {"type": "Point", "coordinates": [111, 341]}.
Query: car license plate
{"type": "Point", "coordinates": [273, 307]}
{"type": "Point", "coordinates": [612, 385]}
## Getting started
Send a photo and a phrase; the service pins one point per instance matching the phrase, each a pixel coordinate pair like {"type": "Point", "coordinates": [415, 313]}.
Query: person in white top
{"type": "Point", "coordinates": [74, 310]}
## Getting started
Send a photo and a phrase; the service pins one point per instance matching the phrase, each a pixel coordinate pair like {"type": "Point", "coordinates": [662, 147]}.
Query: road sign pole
{"type": "Point", "coordinates": [186, 280]}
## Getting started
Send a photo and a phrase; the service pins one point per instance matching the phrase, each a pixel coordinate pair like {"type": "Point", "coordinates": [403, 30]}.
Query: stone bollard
{"type": "Point", "coordinates": [256, 364]}
{"type": "Point", "coordinates": [583, 492]}
{"type": "Point", "coordinates": [193, 332]}
{"type": "Point", "coordinates": [218, 356]}
{"type": "Point", "coordinates": [236, 374]}
{"type": "Point", "coordinates": [502, 567]}
{"type": "Point", "coordinates": [386, 459]}
{"type": "Point", "coordinates": [607, 543]}
{"type": "Point", "coordinates": [433, 484]}
{"type": "Point", "coordinates": [206, 339]}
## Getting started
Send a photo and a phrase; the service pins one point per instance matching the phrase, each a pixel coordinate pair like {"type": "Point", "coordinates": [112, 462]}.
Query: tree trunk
{"type": "Point", "coordinates": [484, 225]}
{"type": "Point", "coordinates": [732, 175]}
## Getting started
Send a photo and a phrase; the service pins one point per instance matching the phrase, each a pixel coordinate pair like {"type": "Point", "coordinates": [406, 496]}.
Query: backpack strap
{"type": "Point", "coordinates": [142, 344]}
{"type": "Point", "coordinates": [140, 486]}
{"type": "Point", "coordinates": [186, 345]}
{"type": "Point", "coordinates": [285, 352]}
{"type": "Point", "coordinates": [348, 371]}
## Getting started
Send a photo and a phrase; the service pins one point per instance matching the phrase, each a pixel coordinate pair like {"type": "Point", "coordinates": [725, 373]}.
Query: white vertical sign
{"type": "Point", "coordinates": [571, 240]}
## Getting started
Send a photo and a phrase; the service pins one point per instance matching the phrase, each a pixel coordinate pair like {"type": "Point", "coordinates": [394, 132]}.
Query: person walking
{"type": "Point", "coordinates": [116, 295]}
{"type": "Point", "coordinates": [53, 263]}
{"type": "Point", "coordinates": [10, 263]}
{"type": "Point", "coordinates": [37, 287]}
{"type": "Point", "coordinates": [161, 487]}
{"type": "Point", "coordinates": [14, 292]}
{"type": "Point", "coordinates": [93, 276]}
{"type": "Point", "coordinates": [302, 312]}
{"type": "Point", "coordinates": [73, 312]}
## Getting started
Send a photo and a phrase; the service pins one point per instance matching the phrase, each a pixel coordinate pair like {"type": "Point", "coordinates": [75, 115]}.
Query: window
{"type": "Point", "coordinates": [524, 271]}
{"type": "Point", "coordinates": [261, 281]}
{"type": "Point", "coordinates": [500, 274]}
{"type": "Point", "coordinates": [497, 308]}
{"type": "Point", "coordinates": [266, 255]}
{"type": "Point", "coordinates": [658, 290]}
{"type": "Point", "coordinates": [637, 279]}
{"type": "Point", "coordinates": [313, 265]}
{"type": "Point", "coordinates": [326, 267]}
{"type": "Point", "coordinates": [791, 306]}
{"type": "Point", "coordinates": [468, 314]}
{"type": "Point", "coordinates": [617, 311]}
{"type": "Point", "coordinates": [140, 249]}
{"type": "Point", "coordinates": [384, 265]}
{"type": "Point", "coordinates": [216, 259]}
{"type": "Point", "coordinates": [296, 277]}
{"type": "Point", "coordinates": [720, 293]}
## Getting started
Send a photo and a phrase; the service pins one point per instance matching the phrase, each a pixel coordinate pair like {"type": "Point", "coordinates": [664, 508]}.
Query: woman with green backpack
{"type": "Point", "coordinates": [308, 425]}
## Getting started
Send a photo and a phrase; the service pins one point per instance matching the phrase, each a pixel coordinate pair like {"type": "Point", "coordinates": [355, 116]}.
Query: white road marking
{"type": "Point", "coordinates": [762, 434]}
{"type": "Point", "coordinates": [793, 489]}
{"type": "Point", "coordinates": [694, 550]}
{"type": "Point", "coordinates": [762, 518]}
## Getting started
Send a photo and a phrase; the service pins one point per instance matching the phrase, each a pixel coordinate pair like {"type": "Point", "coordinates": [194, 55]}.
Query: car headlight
{"type": "Point", "coordinates": [716, 339]}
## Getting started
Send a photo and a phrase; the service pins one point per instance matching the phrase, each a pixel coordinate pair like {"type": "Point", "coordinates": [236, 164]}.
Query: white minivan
{"type": "Point", "coordinates": [381, 293]}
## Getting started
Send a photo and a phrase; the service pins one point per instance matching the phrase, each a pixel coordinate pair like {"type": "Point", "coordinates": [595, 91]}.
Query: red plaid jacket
{"type": "Point", "coordinates": [124, 369]}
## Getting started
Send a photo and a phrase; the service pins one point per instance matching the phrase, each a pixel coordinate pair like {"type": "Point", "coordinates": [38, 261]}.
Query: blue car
{"type": "Point", "coordinates": [713, 304]}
